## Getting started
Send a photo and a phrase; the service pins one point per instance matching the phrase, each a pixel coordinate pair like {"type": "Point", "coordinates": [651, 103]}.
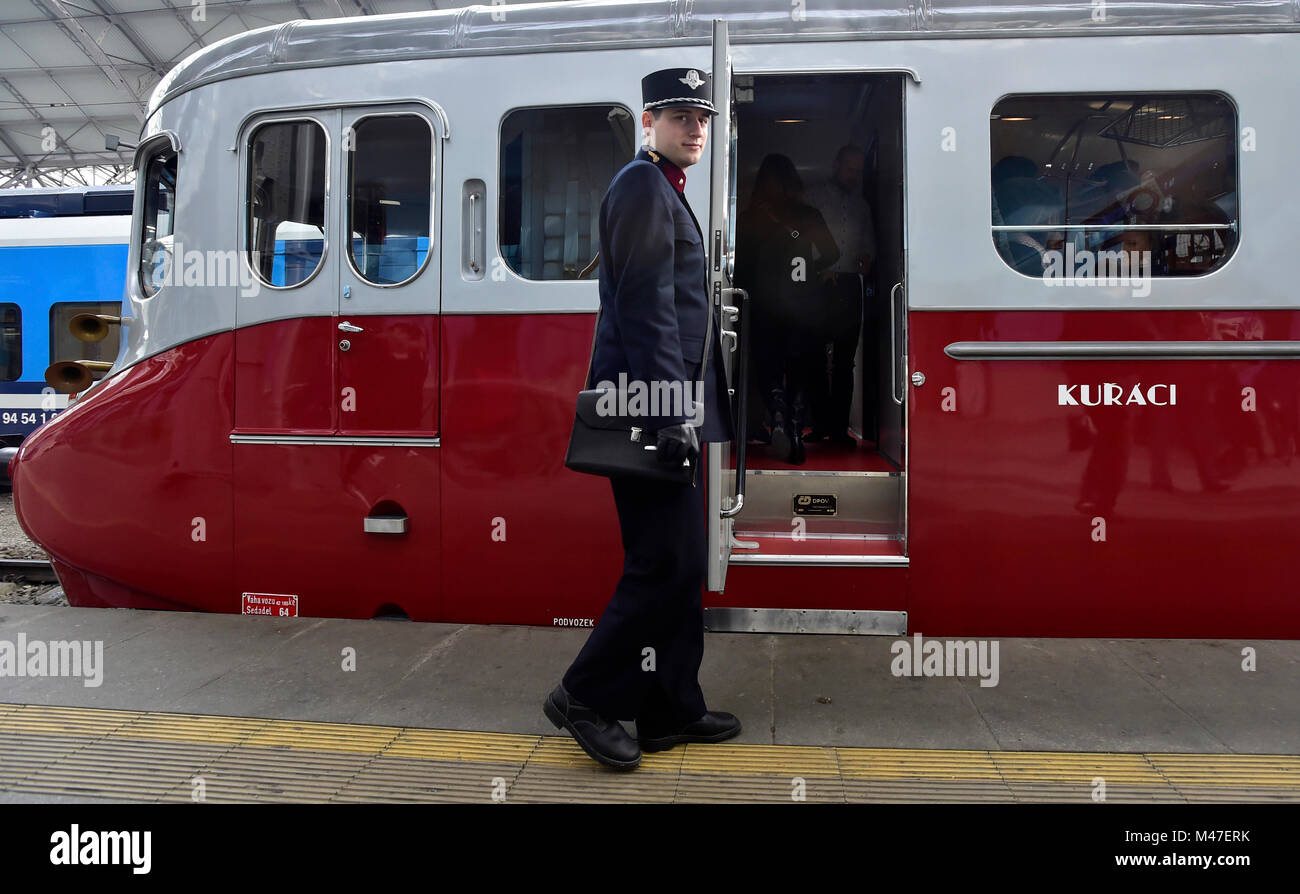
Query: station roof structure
{"type": "Point", "coordinates": [75, 72]}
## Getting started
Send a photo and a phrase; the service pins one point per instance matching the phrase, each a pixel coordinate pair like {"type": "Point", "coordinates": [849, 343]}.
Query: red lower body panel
{"type": "Point", "coordinates": [1027, 514]}
{"type": "Point", "coordinates": [1033, 516]}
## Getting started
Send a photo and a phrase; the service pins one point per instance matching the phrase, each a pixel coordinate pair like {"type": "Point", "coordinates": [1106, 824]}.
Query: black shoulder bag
{"type": "Point", "coordinates": [611, 445]}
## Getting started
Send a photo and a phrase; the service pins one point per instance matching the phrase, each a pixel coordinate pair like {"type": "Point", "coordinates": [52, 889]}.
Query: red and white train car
{"type": "Point", "coordinates": [357, 326]}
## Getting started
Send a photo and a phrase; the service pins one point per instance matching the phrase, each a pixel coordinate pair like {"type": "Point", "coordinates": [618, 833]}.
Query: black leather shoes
{"type": "Point", "coordinates": [714, 726]}
{"type": "Point", "coordinates": [780, 439]}
{"type": "Point", "coordinates": [603, 739]}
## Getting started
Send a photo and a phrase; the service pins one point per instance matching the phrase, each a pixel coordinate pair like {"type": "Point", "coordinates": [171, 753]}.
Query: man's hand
{"type": "Point", "coordinates": [676, 443]}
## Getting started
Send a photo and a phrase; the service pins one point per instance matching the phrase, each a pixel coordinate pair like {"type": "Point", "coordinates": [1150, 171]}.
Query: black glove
{"type": "Point", "coordinates": [677, 443]}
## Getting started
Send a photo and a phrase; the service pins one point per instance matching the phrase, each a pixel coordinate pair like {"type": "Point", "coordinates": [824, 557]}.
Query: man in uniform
{"type": "Point", "coordinates": [642, 660]}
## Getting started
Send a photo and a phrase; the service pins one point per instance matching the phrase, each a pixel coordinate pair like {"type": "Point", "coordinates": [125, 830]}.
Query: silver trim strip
{"type": "Point", "coordinates": [820, 473]}
{"type": "Point", "coordinates": [772, 559]}
{"type": "Point", "coordinates": [1048, 228]}
{"type": "Point", "coordinates": [335, 440]}
{"type": "Point", "coordinates": [806, 620]}
{"type": "Point", "coordinates": [820, 535]}
{"type": "Point", "coordinates": [267, 45]}
{"type": "Point", "coordinates": [1121, 350]}
{"type": "Point", "coordinates": [869, 69]}
{"type": "Point", "coordinates": [339, 104]}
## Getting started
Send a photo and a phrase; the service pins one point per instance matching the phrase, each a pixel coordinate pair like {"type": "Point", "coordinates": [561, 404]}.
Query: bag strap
{"type": "Point", "coordinates": [591, 358]}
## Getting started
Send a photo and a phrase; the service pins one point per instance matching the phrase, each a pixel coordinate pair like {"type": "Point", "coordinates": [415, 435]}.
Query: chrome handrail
{"type": "Point", "coordinates": [742, 395]}
{"type": "Point", "coordinates": [893, 348]}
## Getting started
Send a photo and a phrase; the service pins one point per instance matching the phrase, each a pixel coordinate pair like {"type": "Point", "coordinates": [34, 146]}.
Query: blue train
{"type": "Point", "coordinates": [62, 252]}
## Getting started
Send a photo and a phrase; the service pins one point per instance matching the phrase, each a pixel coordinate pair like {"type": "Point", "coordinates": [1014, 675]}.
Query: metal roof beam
{"type": "Point", "coordinates": [66, 69]}
{"type": "Point", "coordinates": [67, 141]}
{"type": "Point", "coordinates": [185, 23]}
{"type": "Point", "coordinates": [131, 35]}
{"type": "Point", "coordinates": [22, 100]}
{"type": "Point", "coordinates": [13, 148]}
{"type": "Point", "coordinates": [39, 119]}
{"type": "Point", "coordinates": [63, 17]}
{"type": "Point", "coordinates": [360, 6]}
{"type": "Point", "coordinates": [108, 174]}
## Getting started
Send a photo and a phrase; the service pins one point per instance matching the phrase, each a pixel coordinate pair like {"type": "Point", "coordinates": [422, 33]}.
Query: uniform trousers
{"type": "Point", "coordinates": [657, 604]}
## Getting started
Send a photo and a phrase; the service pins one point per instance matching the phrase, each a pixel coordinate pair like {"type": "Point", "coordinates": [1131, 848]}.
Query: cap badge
{"type": "Point", "coordinates": [692, 79]}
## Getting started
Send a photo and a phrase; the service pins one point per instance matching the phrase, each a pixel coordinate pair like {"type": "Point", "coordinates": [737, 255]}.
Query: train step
{"type": "Point", "coordinates": [863, 506]}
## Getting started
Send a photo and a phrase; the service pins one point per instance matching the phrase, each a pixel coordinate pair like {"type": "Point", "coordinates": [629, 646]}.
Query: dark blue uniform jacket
{"type": "Point", "coordinates": [654, 295]}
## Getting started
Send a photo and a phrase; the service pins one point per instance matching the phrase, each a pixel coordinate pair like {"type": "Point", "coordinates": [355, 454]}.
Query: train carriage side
{"type": "Point", "coordinates": [62, 253]}
{"type": "Point", "coordinates": [370, 417]}
{"type": "Point", "coordinates": [1095, 455]}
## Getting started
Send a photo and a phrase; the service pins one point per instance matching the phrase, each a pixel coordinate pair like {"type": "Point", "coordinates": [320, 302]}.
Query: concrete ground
{"type": "Point", "coordinates": [1190, 696]}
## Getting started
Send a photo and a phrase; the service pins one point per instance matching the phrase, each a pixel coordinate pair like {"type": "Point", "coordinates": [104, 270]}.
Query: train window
{"type": "Point", "coordinates": [66, 346]}
{"type": "Point", "coordinates": [1079, 179]}
{"type": "Point", "coordinates": [159, 221]}
{"type": "Point", "coordinates": [285, 232]}
{"type": "Point", "coordinates": [11, 342]}
{"type": "Point", "coordinates": [556, 164]}
{"type": "Point", "coordinates": [390, 187]}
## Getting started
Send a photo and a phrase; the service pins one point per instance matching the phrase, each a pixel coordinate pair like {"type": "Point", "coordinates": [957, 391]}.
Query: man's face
{"type": "Point", "coordinates": [848, 171]}
{"type": "Point", "coordinates": [679, 134]}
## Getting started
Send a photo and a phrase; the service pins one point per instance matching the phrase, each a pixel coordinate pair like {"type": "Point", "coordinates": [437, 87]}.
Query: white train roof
{"type": "Point", "coordinates": [606, 24]}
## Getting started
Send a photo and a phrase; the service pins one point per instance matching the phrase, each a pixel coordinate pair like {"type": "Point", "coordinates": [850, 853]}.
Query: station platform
{"type": "Point", "coordinates": [254, 709]}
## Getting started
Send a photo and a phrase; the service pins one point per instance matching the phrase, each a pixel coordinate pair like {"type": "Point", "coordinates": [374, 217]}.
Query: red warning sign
{"type": "Point", "coordinates": [277, 605]}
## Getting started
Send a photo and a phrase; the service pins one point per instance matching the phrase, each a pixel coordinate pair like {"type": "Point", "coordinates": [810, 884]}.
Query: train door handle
{"type": "Point", "coordinates": [474, 231]}
{"type": "Point", "coordinates": [345, 326]}
{"type": "Point", "coordinates": [894, 357]}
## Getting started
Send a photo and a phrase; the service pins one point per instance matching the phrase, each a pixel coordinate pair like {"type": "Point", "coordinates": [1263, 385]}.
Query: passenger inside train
{"type": "Point", "coordinates": [783, 259]}
{"type": "Point", "coordinates": [812, 155]}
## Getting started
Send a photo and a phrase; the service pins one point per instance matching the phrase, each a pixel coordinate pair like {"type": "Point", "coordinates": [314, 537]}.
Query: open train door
{"type": "Point", "coordinates": [726, 489]}
{"type": "Point", "coordinates": [820, 539]}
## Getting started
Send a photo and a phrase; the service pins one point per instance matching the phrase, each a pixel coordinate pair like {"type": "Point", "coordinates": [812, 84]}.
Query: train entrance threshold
{"type": "Point", "coordinates": [246, 709]}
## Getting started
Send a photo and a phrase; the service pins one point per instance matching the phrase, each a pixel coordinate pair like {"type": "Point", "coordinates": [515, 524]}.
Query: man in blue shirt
{"type": "Point", "coordinates": [848, 216]}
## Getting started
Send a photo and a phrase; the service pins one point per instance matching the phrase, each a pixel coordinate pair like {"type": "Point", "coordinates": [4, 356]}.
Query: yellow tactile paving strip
{"type": "Point", "coordinates": [147, 756]}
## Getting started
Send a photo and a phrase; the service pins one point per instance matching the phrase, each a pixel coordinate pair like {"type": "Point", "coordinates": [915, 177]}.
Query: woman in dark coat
{"type": "Point", "coordinates": [783, 245]}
